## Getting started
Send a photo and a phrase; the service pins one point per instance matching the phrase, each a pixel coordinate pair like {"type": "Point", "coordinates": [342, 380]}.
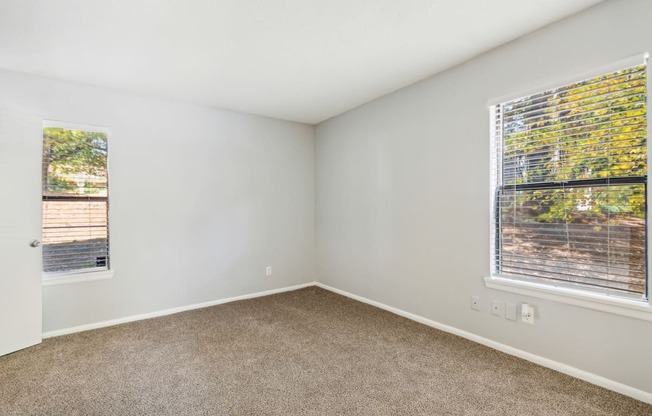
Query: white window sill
{"type": "Point", "coordinates": [50, 279]}
{"type": "Point", "coordinates": [597, 301]}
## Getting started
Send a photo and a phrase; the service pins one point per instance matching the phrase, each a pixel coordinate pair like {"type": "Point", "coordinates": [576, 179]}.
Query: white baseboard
{"type": "Point", "coordinates": [170, 311]}
{"type": "Point", "coordinates": [545, 362]}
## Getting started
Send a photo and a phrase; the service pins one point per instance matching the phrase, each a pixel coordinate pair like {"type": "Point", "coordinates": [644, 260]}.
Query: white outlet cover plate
{"type": "Point", "coordinates": [475, 303]}
{"type": "Point", "coordinates": [497, 308]}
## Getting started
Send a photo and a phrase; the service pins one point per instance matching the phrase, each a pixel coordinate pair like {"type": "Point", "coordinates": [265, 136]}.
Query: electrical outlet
{"type": "Point", "coordinates": [497, 308]}
{"type": "Point", "coordinates": [510, 311]}
{"type": "Point", "coordinates": [527, 313]}
{"type": "Point", "coordinates": [268, 271]}
{"type": "Point", "coordinates": [475, 303]}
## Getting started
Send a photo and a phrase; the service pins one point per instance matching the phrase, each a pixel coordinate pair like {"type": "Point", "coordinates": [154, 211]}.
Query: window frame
{"type": "Point", "coordinates": [97, 273]}
{"type": "Point", "coordinates": [582, 297]}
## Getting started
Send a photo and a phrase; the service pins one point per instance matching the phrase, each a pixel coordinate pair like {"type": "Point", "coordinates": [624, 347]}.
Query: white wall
{"type": "Point", "coordinates": [201, 200]}
{"type": "Point", "coordinates": [403, 196]}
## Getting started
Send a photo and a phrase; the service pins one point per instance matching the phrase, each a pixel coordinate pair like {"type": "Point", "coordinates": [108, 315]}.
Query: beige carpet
{"type": "Point", "coordinates": [307, 352]}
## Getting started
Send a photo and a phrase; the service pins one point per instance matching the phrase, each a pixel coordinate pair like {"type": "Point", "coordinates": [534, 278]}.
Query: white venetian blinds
{"type": "Point", "coordinates": [75, 200]}
{"type": "Point", "coordinates": [569, 180]}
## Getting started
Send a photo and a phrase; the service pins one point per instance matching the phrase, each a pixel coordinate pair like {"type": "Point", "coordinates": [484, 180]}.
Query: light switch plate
{"type": "Point", "coordinates": [510, 312]}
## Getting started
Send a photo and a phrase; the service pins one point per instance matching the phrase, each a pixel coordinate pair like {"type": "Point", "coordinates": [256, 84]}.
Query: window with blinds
{"type": "Point", "coordinates": [569, 182]}
{"type": "Point", "coordinates": [75, 200]}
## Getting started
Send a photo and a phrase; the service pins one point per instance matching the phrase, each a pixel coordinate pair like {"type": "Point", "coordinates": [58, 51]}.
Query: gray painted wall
{"type": "Point", "coordinates": [403, 195]}
{"type": "Point", "coordinates": [201, 201]}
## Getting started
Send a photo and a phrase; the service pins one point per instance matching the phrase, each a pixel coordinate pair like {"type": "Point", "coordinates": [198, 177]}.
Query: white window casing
{"type": "Point", "coordinates": [75, 207]}
{"type": "Point", "coordinates": [569, 191]}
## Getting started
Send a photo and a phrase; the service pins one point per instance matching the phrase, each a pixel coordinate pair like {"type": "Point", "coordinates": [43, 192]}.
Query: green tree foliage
{"type": "Point", "coordinates": [587, 130]}
{"type": "Point", "coordinates": [71, 156]}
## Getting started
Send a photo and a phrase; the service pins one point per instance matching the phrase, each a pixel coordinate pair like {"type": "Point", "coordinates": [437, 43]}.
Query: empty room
{"type": "Point", "coordinates": [325, 207]}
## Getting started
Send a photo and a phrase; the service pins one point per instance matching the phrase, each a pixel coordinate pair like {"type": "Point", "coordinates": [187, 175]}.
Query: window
{"type": "Point", "coordinates": [75, 199]}
{"type": "Point", "coordinates": [569, 186]}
